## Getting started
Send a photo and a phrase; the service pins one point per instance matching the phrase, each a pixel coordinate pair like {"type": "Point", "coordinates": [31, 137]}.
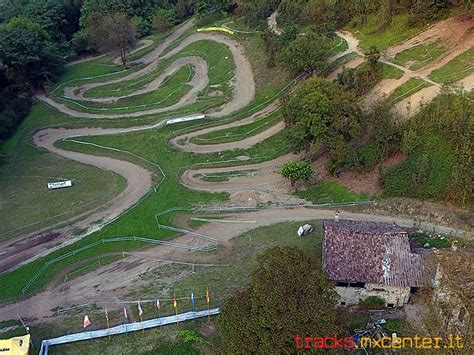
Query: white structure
{"type": "Point", "coordinates": [59, 184]}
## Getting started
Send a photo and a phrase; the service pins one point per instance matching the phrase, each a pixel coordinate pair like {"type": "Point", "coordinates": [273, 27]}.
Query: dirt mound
{"type": "Point", "coordinates": [451, 32]}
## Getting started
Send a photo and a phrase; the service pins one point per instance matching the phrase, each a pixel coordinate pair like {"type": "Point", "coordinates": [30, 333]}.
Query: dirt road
{"type": "Point", "coordinates": [112, 282]}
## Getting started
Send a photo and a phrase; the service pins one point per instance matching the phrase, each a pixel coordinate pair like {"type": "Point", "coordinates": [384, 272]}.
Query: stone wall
{"type": "Point", "coordinates": [397, 296]}
{"type": "Point", "coordinates": [452, 310]}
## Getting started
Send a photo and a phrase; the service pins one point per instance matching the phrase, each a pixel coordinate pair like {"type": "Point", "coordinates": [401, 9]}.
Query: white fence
{"type": "Point", "coordinates": [125, 328]}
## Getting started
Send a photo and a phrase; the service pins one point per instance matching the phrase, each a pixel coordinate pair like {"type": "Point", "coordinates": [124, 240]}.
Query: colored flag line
{"type": "Point", "coordinates": [129, 327]}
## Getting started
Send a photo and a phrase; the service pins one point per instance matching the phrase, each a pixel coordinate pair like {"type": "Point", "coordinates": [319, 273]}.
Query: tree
{"type": "Point", "coordinates": [363, 78]}
{"type": "Point", "coordinates": [27, 54]}
{"type": "Point", "coordinates": [306, 54]}
{"type": "Point", "coordinates": [373, 56]}
{"type": "Point", "coordinates": [320, 14]}
{"type": "Point", "coordinates": [296, 171]}
{"type": "Point", "coordinates": [111, 33]}
{"type": "Point", "coordinates": [162, 21]}
{"type": "Point", "coordinates": [50, 15]}
{"type": "Point", "coordinates": [28, 57]}
{"type": "Point", "coordinates": [430, 9]}
{"type": "Point", "coordinates": [144, 27]}
{"type": "Point", "coordinates": [288, 296]}
{"type": "Point", "coordinates": [323, 113]}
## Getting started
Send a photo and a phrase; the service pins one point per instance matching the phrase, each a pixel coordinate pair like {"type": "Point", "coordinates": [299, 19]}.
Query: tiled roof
{"type": "Point", "coordinates": [371, 252]}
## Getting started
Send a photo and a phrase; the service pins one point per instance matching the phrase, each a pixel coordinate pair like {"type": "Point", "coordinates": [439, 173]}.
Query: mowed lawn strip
{"type": "Point", "coordinates": [239, 132]}
{"type": "Point", "coordinates": [408, 88]}
{"type": "Point", "coordinates": [330, 192]}
{"type": "Point", "coordinates": [456, 69]}
{"type": "Point", "coordinates": [420, 55]}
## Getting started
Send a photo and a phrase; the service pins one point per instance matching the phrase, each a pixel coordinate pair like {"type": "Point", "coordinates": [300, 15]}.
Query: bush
{"type": "Point", "coordinates": [163, 20]}
{"type": "Point", "coordinates": [80, 44]}
{"type": "Point", "coordinates": [420, 239]}
{"type": "Point", "coordinates": [370, 155]}
{"type": "Point", "coordinates": [372, 301]}
{"type": "Point", "coordinates": [427, 172]}
{"type": "Point", "coordinates": [190, 336]}
{"type": "Point", "coordinates": [144, 27]}
{"type": "Point", "coordinates": [296, 171]}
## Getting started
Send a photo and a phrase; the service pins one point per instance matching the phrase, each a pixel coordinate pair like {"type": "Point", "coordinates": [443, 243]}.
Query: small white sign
{"type": "Point", "coordinates": [59, 184]}
{"type": "Point", "coordinates": [184, 119]}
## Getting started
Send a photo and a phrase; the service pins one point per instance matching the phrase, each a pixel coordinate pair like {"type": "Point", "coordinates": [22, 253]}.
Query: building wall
{"type": "Point", "coordinates": [452, 310]}
{"type": "Point", "coordinates": [395, 295]}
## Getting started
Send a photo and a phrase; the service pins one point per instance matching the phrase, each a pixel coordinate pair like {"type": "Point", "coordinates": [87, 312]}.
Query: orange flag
{"type": "Point", "coordinates": [87, 322]}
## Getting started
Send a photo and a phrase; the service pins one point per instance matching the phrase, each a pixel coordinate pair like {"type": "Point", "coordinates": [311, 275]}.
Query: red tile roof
{"type": "Point", "coordinates": [371, 252]}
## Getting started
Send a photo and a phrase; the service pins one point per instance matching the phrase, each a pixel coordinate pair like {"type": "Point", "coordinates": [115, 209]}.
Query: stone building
{"type": "Point", "coordinates": [368, 259]}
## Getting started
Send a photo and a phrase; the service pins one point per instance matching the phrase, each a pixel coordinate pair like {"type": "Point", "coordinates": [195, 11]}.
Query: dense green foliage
{"type": "Point", "coordinates": [365, 76]}
{"type": "Point", "coordinates": [324, 114]}
{"type": "Point", "coordinates": [29, 55]}
{"type": "Point", "coordinates": [288, 295]}
{"type": "Point", "coordinates": [306, 54]}
{"type": "Point", "coordinates": [437, 141]}
{"type": "Point", "coordinates": [35, 36]}
{"type": "Point", "coordinates": [327, 15]}
{"type": "Point", "coordinates": [296, 171]}
{"type": "Point", "coordinates": [440, 149]}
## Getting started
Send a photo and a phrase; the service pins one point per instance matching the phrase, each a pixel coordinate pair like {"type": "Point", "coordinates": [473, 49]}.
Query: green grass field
{"type": "Point", "coordinates": [220, 65]}
{"type": "Point", "coordinates": [140, 221]}
{"type": "Point", "coordinates": [456, 69]}
{"type": "Point", "coordinates": [239, 132]}
{"type": "Point", "coordinates": [419, 56]}
{"type": "Point", "coordinates": [330, 192]}
{"type": "Point", "coordinates": [26, 205]}
{"type": "Point", "coordinates": [408, 88]}
{"type": "Point", "coordinates": [221, 281]}
{"type": "Point", "coordinates": [151, 145]}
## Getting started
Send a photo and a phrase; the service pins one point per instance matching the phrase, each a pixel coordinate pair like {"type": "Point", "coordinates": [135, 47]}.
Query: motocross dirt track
{"type": "Point", "coordinates": [263, 185]}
